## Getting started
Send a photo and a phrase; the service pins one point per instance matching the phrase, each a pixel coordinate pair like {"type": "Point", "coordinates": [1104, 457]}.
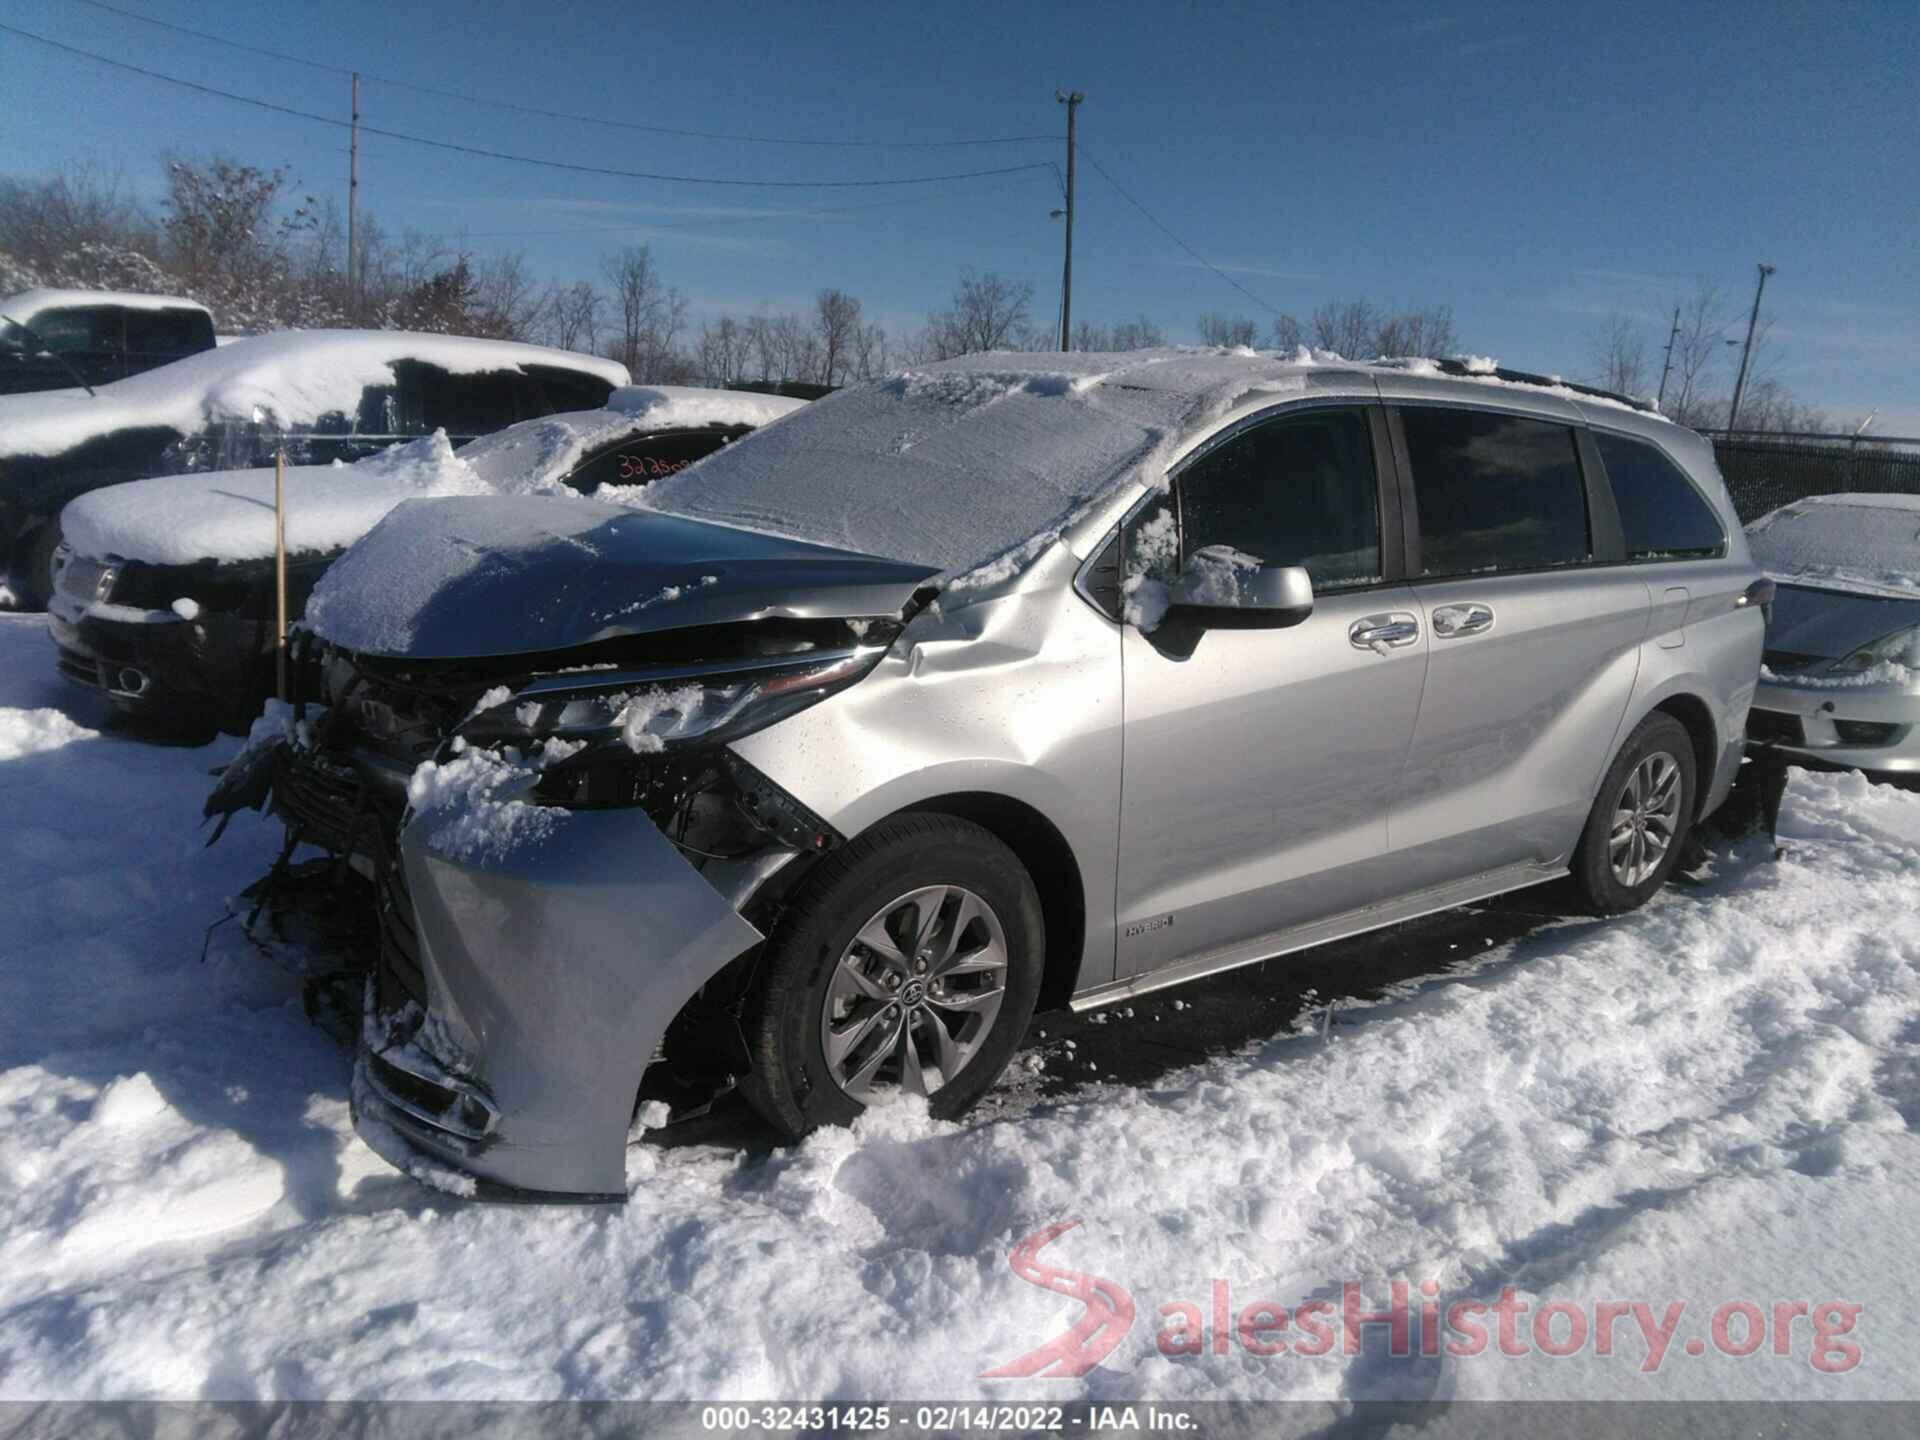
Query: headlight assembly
{"type": "Point", "coordinates": [647, 712]}
{"type": "Point", "coordinates": [1900, 648]}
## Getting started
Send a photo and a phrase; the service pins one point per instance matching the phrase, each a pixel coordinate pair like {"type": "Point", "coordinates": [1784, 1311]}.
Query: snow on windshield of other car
{"type": "Point", "coordinates": [294, 377]}
{"type": "Point", "coordinates": [1867, 544]}
{"type": "Point", "coordinates": [976, 462]}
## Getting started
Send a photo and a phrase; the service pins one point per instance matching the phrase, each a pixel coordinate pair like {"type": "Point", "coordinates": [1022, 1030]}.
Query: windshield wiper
{"type": "Point", "coordinates": [46, 349]}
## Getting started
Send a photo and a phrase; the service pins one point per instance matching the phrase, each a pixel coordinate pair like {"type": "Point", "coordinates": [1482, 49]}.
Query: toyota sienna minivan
{"type": "Point", "coordinates": [1016, 681]}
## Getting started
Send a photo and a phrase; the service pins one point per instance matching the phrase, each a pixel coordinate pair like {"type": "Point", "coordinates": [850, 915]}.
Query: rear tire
{"type": "Point", "coordinates": [1641, 819]}
{"type": "Point", "coordinates": [924, 921]}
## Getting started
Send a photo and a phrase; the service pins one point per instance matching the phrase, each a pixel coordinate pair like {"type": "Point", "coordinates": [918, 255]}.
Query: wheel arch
{"type": "Point", "coordinates": [1696, 717]}
{"type": "Point", "coordinates": [1038, 844]}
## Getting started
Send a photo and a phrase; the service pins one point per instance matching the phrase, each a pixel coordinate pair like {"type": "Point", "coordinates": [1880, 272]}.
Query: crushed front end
{"type": "Point", "coordinates": [573, 873]}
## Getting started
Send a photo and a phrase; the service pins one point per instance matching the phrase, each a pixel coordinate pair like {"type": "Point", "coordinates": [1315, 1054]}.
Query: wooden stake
{"type": "Point", "coordinates": [280, 571]}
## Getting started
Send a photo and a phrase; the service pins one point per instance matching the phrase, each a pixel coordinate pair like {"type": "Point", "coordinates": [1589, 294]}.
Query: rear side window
{"type": "Point", "coordinates": [1295, 491]}
{"type": "Point", "coordinates": [641, 459]}
{"type": "Point", "coordinates": [1662, 516]}
{"type": "Point", "coordinates": [164, 334]}
{"type": "Point", "coordinates": [1495, 492]}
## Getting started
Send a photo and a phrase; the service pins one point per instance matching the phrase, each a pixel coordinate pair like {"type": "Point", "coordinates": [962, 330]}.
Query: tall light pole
{"type": "Point", "coordinates": [1667, 369]}
{"type": "Point", "coordinates": [1746, 350]}
{"type": "Point", "coordinates": [1071, 99]}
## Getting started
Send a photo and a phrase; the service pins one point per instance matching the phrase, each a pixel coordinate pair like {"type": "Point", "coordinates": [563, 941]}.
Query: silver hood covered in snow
{"type": "Point", "coordinates": [491, 576]}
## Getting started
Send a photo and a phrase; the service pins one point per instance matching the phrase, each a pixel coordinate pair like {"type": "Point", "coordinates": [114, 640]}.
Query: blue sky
{"type": "Point", "coordinates": [1533, 166]}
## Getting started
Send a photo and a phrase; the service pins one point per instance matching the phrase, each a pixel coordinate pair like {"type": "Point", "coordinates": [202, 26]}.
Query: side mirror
{"type": "Point", "coordinates": [1221, 588]}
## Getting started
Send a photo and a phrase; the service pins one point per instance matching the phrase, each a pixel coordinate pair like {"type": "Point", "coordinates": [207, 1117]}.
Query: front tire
{"type": "Point", "coordinates": [1640, 820]}
{"type": "Point", "coordinates": [911, 962]}
{"type": "Point", "coordinates": [31, 579]}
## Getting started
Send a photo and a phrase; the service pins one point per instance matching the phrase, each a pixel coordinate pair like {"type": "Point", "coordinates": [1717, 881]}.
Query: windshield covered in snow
{"type": "Point", "coordinates": [971, 459]}
{"type": "Point", "coordinates": [1864, 543]}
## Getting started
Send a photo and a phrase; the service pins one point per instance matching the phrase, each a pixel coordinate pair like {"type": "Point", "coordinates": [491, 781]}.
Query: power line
{"type": "Point", "coordinates": [1154, 220]}
{"type": "Point", "coordinates": [814, 214]}
{"type": "Point", "coordinates": [487, 154]}
{"type": "Point", "coordinates": [558, 114]}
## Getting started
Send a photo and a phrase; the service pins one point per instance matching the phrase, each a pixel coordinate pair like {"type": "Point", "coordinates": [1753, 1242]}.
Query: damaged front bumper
{"type": "Point", "coordinates": [548, 972]}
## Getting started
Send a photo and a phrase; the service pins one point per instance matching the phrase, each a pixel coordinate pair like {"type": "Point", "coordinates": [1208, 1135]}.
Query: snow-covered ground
{"type": "Point", "coordinates": [1709, 1102]}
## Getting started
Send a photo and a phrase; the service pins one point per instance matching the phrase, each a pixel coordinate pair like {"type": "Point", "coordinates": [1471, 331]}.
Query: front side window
{"type": "Point", "coordinates": [1495, 492]}
{"type": "Point", "coordinates": [1662, 516]}
{"type": "Point", "coordinates": [1294, 491]}
{"type": "Point", "coordinates": [67, 332]}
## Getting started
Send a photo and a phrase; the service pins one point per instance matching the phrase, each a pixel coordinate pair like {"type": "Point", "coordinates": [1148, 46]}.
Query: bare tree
{"type": "Point", "coordinates": [1228, 330]}
{"type": "Point", "coordinates": [1426, 332]}
{"type": "Point", "coordinates": [573, 315]}
{"type": "Point", "coordinates": [837, 318]}
{"type": "Point", "coordinates": [647, 316]}
{"type": "Point", "coordinates": [870, 352]}
{"type": "Point", "coordinates": [508, 303]}
{"type": "Point", "coordinates": [1137, 334]}
{"type": "Point", "coordinates": [1617, 355]}
{"type": "Point", "coordinates": [1347, 327]}
{"type": "Point", "coordinates": [1287, 333]}
{"type": "Point", "coordinates": [986, 312]}
{"type": "Point", "coordinates": [725, 351]}
{"type": "Point", "coordinates": [1698, 348]}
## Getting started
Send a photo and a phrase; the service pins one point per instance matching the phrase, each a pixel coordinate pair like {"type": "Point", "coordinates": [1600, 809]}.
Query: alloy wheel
{"type": "Point", "coordinates": [1646, 818]}
{"type": "Point", "coordinates": [915, 993]}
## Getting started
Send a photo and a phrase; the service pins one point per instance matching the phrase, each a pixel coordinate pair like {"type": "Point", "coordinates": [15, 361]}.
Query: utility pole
{"type": "Point", "coordinates": [1746, 350]}
{"type": "Point", "coordinates": [1667, 369]}
{"type": "Point", "coordinates": [1071, 99]}
{"type": "Point", "coordinates": [353, 206]}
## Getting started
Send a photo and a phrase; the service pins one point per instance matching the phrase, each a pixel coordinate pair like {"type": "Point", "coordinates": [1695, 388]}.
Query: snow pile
{"type": "Point", "coordinates": [1864, 544]}
{"type": "Point", "coordinates": [474, 801]}
{"type": "Point", "coordinates": [1712, 1100]}
{"type": "Point", "coordinates": [229, 515]}
{"type": "Point", "coordinates": [293, 377]}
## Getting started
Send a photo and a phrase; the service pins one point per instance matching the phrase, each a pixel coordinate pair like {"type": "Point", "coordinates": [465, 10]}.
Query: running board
{"type": "Point", "coordinates": [1321, 932]}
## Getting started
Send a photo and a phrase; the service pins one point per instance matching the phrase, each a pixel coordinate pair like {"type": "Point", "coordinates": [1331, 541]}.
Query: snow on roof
{"type": "Point", "coordinates": [976, 460]}
{"type": "Point", "coordinates": [546, 449]}
{"type": "Point", "coordinates": [295, 376]}
{"type": "Point", "coordinates": [1863, 543]}
{"type": "Point", "coordinates": [27, 303]}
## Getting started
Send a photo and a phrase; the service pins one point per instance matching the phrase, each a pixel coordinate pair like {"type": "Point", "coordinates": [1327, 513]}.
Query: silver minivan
{"type": "Point", "coordinates": [1022, 680]}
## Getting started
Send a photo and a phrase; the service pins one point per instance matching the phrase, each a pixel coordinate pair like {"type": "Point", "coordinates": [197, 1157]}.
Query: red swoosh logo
{"type": "Point", "coordinates": [1091, 1338]}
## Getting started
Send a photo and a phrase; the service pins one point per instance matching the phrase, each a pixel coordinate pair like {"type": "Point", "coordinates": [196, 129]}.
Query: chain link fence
{"type": "Point", "coordinates": [1766, 471]}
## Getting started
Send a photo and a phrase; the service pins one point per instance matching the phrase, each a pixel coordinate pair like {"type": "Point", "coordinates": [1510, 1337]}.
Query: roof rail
{"type": "Point", "coordinates": [1521, 377]}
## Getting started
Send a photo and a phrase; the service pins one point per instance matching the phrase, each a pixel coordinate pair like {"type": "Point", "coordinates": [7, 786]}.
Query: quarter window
{"type": "Point", "coordinates": [1495, 492]}
{"type": "Point", "coordinates": [1662, 516]}
{"type": "Point", "coordinates": [1295, 491]}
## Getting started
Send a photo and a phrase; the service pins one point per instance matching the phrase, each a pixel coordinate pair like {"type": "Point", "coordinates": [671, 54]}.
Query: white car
{"type": "Point", "coordinates": [1840, 685]}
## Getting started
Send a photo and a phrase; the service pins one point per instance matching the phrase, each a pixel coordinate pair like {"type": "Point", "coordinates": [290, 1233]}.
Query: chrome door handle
{"type": "Point", "coordinates": [1453, 620]}
{"type": "Point", "coordinates": [1381, 633]}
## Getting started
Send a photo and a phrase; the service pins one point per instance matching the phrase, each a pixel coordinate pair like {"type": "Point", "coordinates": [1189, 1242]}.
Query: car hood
{"type": "Point", "coordinates": [471, 578]}
{"type": "Point", "coordinates": [227, 516]}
